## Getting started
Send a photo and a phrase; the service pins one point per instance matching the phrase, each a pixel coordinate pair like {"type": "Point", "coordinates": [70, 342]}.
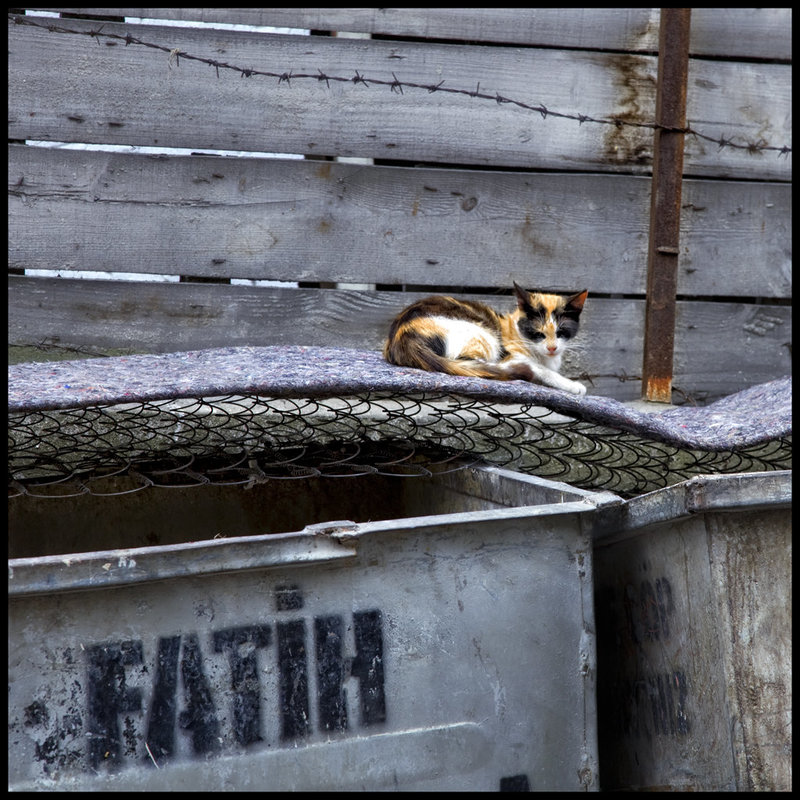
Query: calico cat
{"type": "Point", "coordinates": [460, 337]}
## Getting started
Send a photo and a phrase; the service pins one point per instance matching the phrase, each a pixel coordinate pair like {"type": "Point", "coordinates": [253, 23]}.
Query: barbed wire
{"type": "Point", "coordinates": [175, 55]}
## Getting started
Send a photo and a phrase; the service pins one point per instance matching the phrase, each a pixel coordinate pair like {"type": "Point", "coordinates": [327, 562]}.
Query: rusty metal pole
{"type": "Point", "coordinates": [665, 205]}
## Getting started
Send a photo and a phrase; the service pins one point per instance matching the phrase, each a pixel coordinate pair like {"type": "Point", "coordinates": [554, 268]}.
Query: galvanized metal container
{"type": "Point", "coordinates": [694, 619]}
{"type": "Point", "coordinates": [454, 650]}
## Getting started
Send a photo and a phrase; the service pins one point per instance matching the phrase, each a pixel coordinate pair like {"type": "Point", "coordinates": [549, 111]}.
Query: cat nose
{"type": "Point", "coordinates": [551, 348]}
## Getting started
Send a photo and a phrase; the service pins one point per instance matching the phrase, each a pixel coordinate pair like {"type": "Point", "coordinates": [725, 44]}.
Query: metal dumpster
{"type": "Point", "coordinates": [694, 618]}
{"type": "Point", "coordinates": [182, 639]}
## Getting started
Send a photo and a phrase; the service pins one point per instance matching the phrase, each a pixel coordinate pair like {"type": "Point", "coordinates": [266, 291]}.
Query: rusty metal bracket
{"type": "Point", "coordinates": [665, 205]}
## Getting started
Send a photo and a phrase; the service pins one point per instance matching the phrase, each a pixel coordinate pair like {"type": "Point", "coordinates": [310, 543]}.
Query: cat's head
{"type": "Point", "coordinates": [548, 321]}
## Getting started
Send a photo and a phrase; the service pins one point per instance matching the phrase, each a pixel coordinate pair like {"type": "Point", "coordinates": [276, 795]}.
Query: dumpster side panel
{"type": "Point", "coordinates": [449, 655]}
{"type": "Point", "coordinates": [694, 654]}
{"type": "Point", "coordinates": [751, 556]}
{"type": "Point", "coordinates": [661, 689]}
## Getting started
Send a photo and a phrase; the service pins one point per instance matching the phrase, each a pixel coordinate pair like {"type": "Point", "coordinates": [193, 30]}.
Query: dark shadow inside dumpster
{"type": "Point", "coordinates": [165, 516]}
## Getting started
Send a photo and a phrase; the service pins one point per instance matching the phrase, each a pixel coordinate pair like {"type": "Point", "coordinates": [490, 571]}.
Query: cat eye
{"type": "Point", "coordinates": [562, 333]}
{"type": "Point", "coordinates": [536, 336]}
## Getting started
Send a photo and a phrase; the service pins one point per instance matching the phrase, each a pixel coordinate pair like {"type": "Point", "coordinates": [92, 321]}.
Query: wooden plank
{"type": "Point", "coordinates": [720, 348]}
{"type": "Point", "coordinates": [716, 31]}
{"type": "Point", "coordinates": [330, 222]}
{"type": "Point", "coordinates": [745, 246]}
{"type": "Point", "coordinates": [723, 345]}
{"type": "Point", "coordinates": [66, 87]}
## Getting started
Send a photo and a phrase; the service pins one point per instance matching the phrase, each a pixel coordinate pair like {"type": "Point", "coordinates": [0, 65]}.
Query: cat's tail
{"type": "Point", "coordinates": [415, 353]}
{"type": "Point", "coordinates": [510, 371]}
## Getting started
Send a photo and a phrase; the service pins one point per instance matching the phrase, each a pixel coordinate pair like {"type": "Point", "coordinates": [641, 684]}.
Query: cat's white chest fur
{"type": "Point", "coordinates": [460, 335]}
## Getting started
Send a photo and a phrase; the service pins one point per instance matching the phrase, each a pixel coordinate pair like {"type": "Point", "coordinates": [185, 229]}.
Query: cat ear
{"type": "Point", "coordinates": [577, 300]}
{"type": "Point", "coordinates": [523, 298]}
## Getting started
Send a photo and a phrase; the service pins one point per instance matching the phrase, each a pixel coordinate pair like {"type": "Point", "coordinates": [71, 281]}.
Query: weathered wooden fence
{"type": "Point", "coordinates": [488, 164]}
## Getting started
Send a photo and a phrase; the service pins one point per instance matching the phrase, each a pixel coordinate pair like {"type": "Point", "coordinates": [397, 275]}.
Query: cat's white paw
{"type": "Point", "coordinates": [576, 388]}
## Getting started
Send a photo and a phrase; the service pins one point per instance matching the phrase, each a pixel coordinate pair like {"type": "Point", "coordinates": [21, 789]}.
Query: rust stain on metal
{"type": "Point", "coordinates": [658, 390]}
